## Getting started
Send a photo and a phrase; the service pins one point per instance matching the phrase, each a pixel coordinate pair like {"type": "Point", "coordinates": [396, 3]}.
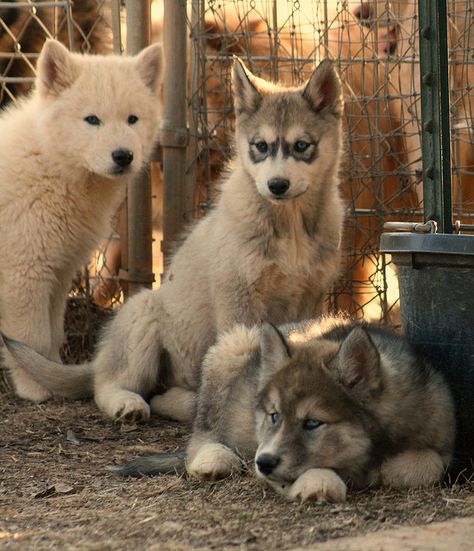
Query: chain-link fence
{"type": "Point", "coordinates": [375, 47]}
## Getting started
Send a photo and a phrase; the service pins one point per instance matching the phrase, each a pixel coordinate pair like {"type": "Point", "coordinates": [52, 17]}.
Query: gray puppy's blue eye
{"type": "Point", "coordinates": [261, 146]}
{"type": "Point", "coordinates": [93, 120]}
{"type": "Point", "coordinates": [274, 417]}
{"type": "Point", "coordinates": [311, 424]}
{"type": "Point", "coordinates": [301, 146]}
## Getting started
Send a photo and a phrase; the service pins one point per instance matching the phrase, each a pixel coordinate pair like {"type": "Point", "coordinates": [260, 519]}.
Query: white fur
{"type": "Point", "coordinates": [58, 186]}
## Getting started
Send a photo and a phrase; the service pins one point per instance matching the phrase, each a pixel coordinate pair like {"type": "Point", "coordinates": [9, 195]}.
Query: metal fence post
{"type": "Point", "coordinates": [177, 198]}
{"type": "Point", "coordinates": [140, 266]}
{"type": "Point", "coordinates": [436, 141]}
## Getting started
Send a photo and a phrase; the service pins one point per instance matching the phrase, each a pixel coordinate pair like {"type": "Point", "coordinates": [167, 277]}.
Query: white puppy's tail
{"type": "Point", "coordinates": [68, 381]}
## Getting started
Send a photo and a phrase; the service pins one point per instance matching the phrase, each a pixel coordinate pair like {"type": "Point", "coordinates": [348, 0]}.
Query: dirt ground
{"type": "Point", "coordinates": [55, 493]}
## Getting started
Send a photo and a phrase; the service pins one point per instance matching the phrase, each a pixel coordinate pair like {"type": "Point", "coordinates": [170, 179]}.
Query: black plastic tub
{"type": "Point", "coordinates": [436, 281]}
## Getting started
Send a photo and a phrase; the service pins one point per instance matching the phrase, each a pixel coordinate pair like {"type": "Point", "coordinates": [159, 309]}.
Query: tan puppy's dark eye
{"type": "Point", "coordinates": [92, 120]}
{"type": "Point", "coordinates": [132, 119]}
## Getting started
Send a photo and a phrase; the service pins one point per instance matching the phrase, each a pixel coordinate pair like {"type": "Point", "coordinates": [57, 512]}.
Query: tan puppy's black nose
{"type": "Point", "coordinates": [122, 157]}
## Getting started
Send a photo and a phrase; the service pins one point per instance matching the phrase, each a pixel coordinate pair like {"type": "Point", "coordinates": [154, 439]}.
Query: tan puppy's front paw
{"type": "Point", "coordinates": [318, 485]}
{"type": "Point", "coordinates": [214, 461]}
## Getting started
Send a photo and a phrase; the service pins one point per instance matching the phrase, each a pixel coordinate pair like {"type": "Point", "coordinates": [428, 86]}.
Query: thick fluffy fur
{"type": "Point", "coordinates": [256, 256]}
{"type": "Point", "coordinates": [62, 176]}
{"type": "Point", "coordinates": [317, 405]}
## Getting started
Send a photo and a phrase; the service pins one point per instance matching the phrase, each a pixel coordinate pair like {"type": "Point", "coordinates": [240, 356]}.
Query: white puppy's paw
{"type": "Point", "coordinates": [123, 405]}
{"type": "Point", "coordinates": [213, 461]}
{"type": "Point", "coordinates": [27, 388]}
{"type": "Point", "coordinates": [318, 485]}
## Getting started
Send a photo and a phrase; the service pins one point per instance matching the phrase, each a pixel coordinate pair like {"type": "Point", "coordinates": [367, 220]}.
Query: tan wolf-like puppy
{"type": "Point", "coordinates": [268, 250]}
{"type": "Point", "coordinates": [318, 405]}
{"type": "Point", "coordinates": [66, 155]}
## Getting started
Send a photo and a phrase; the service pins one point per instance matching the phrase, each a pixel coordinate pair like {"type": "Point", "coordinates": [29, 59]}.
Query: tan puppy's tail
{"type": "Point", "coordinates": [68, 381]}
{"type": "Point", "coordinates": [149, 465]}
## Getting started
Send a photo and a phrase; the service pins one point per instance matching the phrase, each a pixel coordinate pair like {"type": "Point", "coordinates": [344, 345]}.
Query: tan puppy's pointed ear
{"type": "Point", "coordinates": [323, 90]}
{"type": "Point", "coordinates": [149, 63]}
{"type": "Point", "coordinates": [246, 96]}
{"type": "Point", "coordinates": [57, 69]}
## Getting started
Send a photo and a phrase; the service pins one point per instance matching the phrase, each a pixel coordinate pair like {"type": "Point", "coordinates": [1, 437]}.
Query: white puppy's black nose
{"type": "Point", "coordinates": [267, 463]}
{"type": "Point", "coordinates": [122, 157]}
{"type": "Point", "coordinates": [278, 186]}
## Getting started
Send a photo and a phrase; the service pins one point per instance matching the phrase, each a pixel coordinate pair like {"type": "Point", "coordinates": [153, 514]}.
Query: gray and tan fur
{"type": "Point", "coordinates": [268, 250]}
{"type": "Point", "coordinates": [317, 405]}
{"type": "Point", "coordinates": [67, 152]}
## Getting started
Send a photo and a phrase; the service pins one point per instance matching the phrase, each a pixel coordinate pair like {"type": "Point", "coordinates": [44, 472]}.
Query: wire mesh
{"type": "Point", "coordinates": [375, 47]}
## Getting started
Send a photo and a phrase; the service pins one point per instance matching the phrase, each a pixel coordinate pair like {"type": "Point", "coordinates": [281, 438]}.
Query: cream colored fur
{"type": "Point", "coordinates": [59, 185]}
{"type": "Point", "coordinates": [252, 258]}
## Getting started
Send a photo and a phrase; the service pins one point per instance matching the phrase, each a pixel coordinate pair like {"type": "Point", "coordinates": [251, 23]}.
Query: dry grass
{"type": "Point", "coordinates": [56, 493]}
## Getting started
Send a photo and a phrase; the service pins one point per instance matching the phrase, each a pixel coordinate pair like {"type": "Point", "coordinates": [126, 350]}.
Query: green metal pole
{"type": "Point", "coordinates": [435, 113]}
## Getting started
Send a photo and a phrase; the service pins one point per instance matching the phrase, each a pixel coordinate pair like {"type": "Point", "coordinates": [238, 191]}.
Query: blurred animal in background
{"type": "Point", "coordinates": [316, 406]}
{"type": "Point", "coordinates": [66, 154]}
{"type": "Point", "coordinates": [267, 250]}
{"type": "Point", "coordinates": [396, 23]}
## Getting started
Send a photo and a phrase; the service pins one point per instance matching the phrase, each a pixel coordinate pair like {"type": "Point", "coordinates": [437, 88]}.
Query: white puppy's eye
{"type": "Point", "coordinates": [132, 119]}
{"type": "Point", "coordinates": [274, 417]}
{"type": "Point", "coordinates": [311, 424]}
{"type": "Point", "coordinates": [92, 120]}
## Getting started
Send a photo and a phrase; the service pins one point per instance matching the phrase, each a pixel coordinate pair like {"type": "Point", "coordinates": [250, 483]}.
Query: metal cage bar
{"type": "Point", "coordinates": [436, 143]}
{"type": "Point", "coordinates": [139, 268]}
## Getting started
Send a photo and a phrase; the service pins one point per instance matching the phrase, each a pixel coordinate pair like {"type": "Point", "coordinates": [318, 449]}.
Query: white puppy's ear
{"type": "Point", "coordinates": [149, 64]}
{"type": "Point", "coordinates": [274, 353]}
{"type": "Point", "coordinates": [57, 69]}
{"type": "Point", "coordinates": [246, 96]}
{"type": "Point", "coordinates": [323, 90]}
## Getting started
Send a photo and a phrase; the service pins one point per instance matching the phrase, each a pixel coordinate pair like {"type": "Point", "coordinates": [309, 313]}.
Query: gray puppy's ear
{"type": "Point", "coordinates": [149, 63]}
{"type": "Point", "coordinates": [246, 96]}
{"type": "Point", "coordinates": [57, 69]}
{"type": "Point", "coordinates": [274, 353]}
{"type": "Point", "coordinates": [357, 363]}
{"type": "Point", "coordinates": [323, 90]}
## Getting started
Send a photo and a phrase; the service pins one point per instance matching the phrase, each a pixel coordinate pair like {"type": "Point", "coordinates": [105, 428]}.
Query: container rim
{"type": "Point", "coordinates": [442, 243]}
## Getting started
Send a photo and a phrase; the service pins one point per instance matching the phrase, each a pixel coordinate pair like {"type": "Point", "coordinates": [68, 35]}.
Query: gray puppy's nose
{"type": "Point", "coordinates": [267, 463]}
{"type": "Point", "coordinates": [122, 157]}
{"type": "Point", "coordinates": [278, 186]}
